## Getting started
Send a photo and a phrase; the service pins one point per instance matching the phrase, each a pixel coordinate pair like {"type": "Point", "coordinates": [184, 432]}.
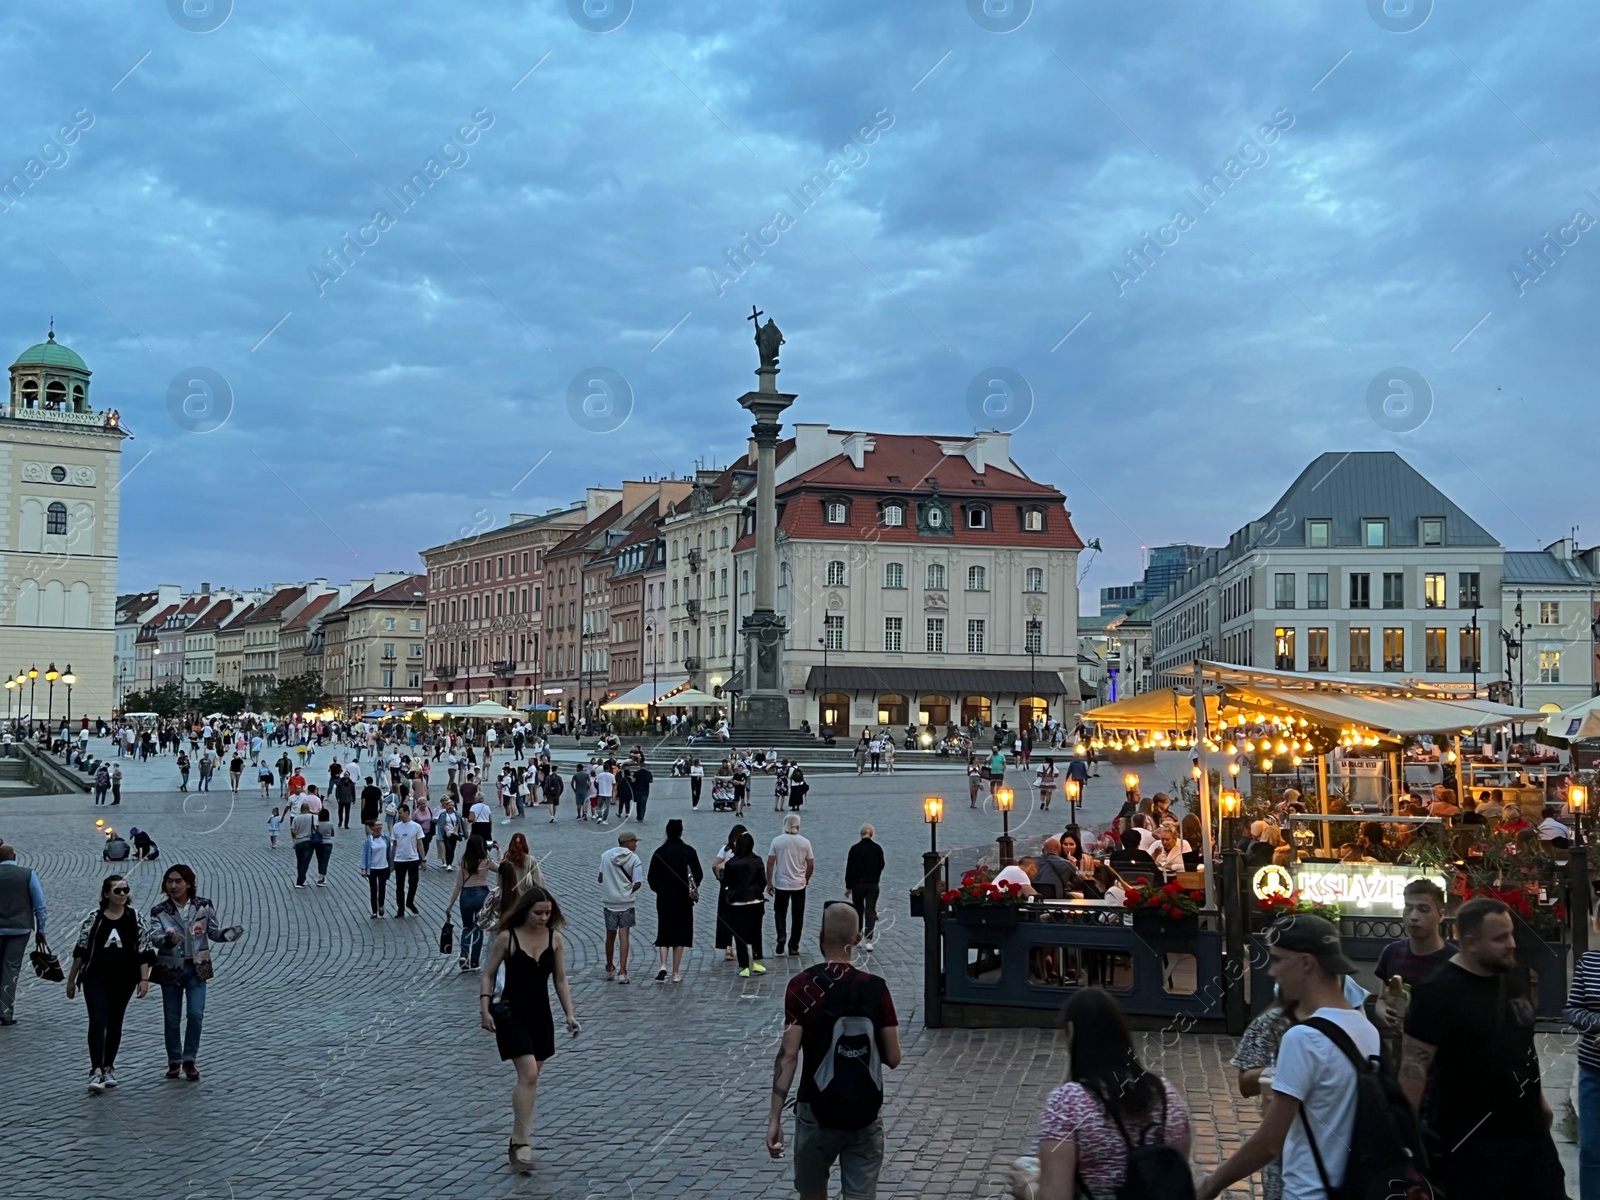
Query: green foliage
{"type": "Point", "coordinates": [216, 698]}
{"type": "Point", "coordinates": [297, 693]}
{"type": "Point", "coordinates": [166, 701]}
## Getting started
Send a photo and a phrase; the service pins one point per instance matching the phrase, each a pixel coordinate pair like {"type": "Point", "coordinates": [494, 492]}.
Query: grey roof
{"type": "Point", "coordinates": [946, 681]}
{"type": "Point", "coordinates": [1540, 567]}
{"type": "Point", "coordinates": [1347, 487]}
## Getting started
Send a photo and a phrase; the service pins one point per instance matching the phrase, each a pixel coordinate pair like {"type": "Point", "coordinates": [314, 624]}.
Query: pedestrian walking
{"type": "Point", "coordinates": [102, 783]}
{"type": "Point", "coordinates": [529, 945]}
{"type": "Point", "coordinates": [523, 862]}
{"type": "Point", "coordinates": [375, 866]}
{"type": "Point", "coordinates": [112, 958]}
{"type": "Point", "coordinates": [605, 786]}
{"type": "Point", "coordinates": [551, 789]}
{"type": "Point", "coordinates": [840, 1030]}
{"type": "Point", "coordinates": [116, 784]}
{"type": "Point", "coordinates": [621, 876]}
{"type": "Point", "coordinates": [302, 827]}
{"type": "Point", "coordinates": [264, 779]}
{"type": "Point", "coordinates": [580, 790]}
{"type": "Point", "coordinates": [1045, 780]}
{"type": "Point", "coordinates": [344, 796]}
{"type": "Point", "coordinates": [642, 779]}
{"type": "Point", "coordinates": [1255, 1059]}
{"type": "Point", "coordinates": [790, 865]}
{"type": "Point", "coordinates": [22, 915]}
{"type": "Point", "coordinates": [744, 887]}
{"type": "Point", "coordinates": [624, 795]}
{"type": "Point", "coordinates": [472, 890]}
{"type": "Point", "coordinates": [1470, 1067]}
{"type": "Point", "coordinates": [974, 779]}
{"type": "Point", "coordinates": [997, 770]}
{"type": "Point", "coordinates": [863, 869]}
{"type": "Point", "coordinates": [724, 938]}
{"type": "Point", "coordinates": [1089, 1125]}
{"type": "Point", "coordinates": [235, 772]}
{"type": "Point", "coordinates": [274, 826]}
{"type": "Point", "coordinates": [407, 862]}
{"type": "Point", "coordinates": [183, 771]}
{"type": "Point", "coordinates": [186, 926]}
{"type": "Point", "coordinates": [860, 754]}
{"type": "Point", "coordinates": [697, 778]}
{"type": "Point", "coordinates": [322, 844]}
{"type": "Point", "coordinates": [423, 815]}
{"type": "Point", "coordinates": [780, 786]}
{"type": "Point", "coordinates": [675, 877]}
{"type": "Point", "coordinates": [447, 826]}
{"type": "Point", "coordinates": [371, 802]}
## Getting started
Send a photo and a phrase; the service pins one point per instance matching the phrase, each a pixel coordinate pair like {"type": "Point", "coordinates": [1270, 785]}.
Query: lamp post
{"type": "Point", "coordinates": [33, 694]}
{"type": "Point", "coordinates": [1578, 802]}
{"type": "Point", "coordinates": [1003, 799]}
{"type": "Point", "coordinates": [1072, 789]}
{"type": "Point", "coordinates": [932, 910]}
{"type": "Point", "coordinates": [1034, 629]}
{"type": "Point", "coordinates": [650, 709]}
{"type": "Point", "coordinates": [1228, 803]}
{"type": "Point", "coordinates": [50, 677]}
{"type": "Point", "coordinates": [69, 679]}
{"type": "Point", "coordinates": [823, 642]}
{"type": "Point", "coordinates": [11, 686]}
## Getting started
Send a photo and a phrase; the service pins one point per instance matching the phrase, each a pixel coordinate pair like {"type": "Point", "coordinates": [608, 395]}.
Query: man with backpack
{"type": "Point", "coordinates": [1339, 1124]}
{"type": "Point", "coordinates": [840, 1030]}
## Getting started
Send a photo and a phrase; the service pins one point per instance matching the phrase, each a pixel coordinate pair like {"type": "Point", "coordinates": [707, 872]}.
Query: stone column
{"type": "Point", "coordinates": [766, 699]}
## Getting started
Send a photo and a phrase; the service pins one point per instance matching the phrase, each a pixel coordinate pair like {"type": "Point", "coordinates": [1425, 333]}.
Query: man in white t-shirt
{"type": "Point", "coordinates": [407, 861]}
{"type": "Point", "coordinates": [1312, 1073]}
{"type": "Point", "coordinates": [790, 864]}
{"type": "Point", "coordinates": [621, 876]}
{"type": "Point", "coordinates": [1020, 873]}
{"type": "Point", "coordinates": [605, 786]}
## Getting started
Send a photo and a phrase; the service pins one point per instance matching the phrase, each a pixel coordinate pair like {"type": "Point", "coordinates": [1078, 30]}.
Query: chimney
{"type": "Point", "coordinates": [205, 589]}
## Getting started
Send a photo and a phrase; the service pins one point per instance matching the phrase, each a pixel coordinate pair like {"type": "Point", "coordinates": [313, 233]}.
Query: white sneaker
{"type": "Point", "coordinates": [97, 1082]}
{"type": "Point", "coordinates": [109, 1079]}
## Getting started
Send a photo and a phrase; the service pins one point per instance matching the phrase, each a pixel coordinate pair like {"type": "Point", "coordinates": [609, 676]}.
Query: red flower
{"type": "Point", "coordinates": [949, 897]}
{"type": "Point", "coordinates": [1197, 897]}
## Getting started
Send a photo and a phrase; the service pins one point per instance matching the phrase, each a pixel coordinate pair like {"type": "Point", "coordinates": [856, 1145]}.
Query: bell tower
{"type": "Point", "coordinates": [49, 377]}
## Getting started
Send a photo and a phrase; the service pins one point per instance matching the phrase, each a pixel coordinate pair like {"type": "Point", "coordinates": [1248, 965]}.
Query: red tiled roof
{"type": "Point", "coordinates": [240, 617]}
{"type": "Point", "coordinates": [307, 614]}
{"type": "Point", "coordinates": [272, 609]}
{"type": "Point", "coordinates": [194, 604]}
{"type": "Point", "coordinates": [407, 591]}
{"type": "Point", "coordinates": [900, 462]}
{"type": "Point", "coordinates": [147, 632]}
{"type": "Point", "coordinates": [801, 518]}
{"type": "Point", "coordinates": [580, 539]}
{"type": "Point", "coordinates": [214, 616]}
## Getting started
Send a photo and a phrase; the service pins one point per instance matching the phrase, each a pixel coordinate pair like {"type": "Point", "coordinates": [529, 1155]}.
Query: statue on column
{"type": "Point", "coordinates": [768, 338]}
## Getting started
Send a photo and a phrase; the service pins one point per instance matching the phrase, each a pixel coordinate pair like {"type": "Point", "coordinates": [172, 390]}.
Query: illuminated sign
{"type": "Point", "coordinates": [1373, 887]}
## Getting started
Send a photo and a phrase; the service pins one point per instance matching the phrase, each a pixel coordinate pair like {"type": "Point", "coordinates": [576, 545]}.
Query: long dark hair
{"type": "Point", "coordinates": [733, 837]}
{"type": "Point", "coordinates": [1103, 1058]}
{"type": "Point", "coordinates": [517, 915]}
{"type": "Point", "coordinates": [105, 889]}
{"type": "Point", "coordinates": [477, 851]}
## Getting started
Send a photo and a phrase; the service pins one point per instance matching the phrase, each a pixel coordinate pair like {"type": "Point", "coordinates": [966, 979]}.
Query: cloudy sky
{"type": "Point", "coordinates": [215, 190]}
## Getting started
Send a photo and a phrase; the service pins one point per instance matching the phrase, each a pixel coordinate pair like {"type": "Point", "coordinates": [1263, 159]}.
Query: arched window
{"type": "Point", "coordinates": [894, 515]}
{"type": "Point", "coordinates": [1033, 520]}
{"type": "Point", "coordinates": [836, 512]}
{"type": "Point", "coordinates": [55, 394]}
{"type": "Point", "coordinates": [977, 579]}
{"type": "Point", "coordinates": [894, 575]}
{"type": "Point", "coordinates": [30, 393]}
{"type": "Point", "coordinates": [724, 538]}
{"type": "Point", "coordinates": [836, 573]}
{"type": "Point", "coordinates": [977, 517]}
{"type": "Point", "coordinates": [56, 518]}
{"type": "Point", "coordinates": [77, 397]}
{"type": "Point", "coordinates": [1033, 580]}
{"type": "Point", "coordinates": [936, 577]}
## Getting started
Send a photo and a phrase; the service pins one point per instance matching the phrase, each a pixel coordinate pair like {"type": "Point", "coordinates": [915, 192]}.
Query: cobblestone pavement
{"type": "Point", "coordinates": [342, 1056]}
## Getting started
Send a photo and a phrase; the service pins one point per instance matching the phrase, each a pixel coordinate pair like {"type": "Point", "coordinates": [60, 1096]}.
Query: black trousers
{"type": "Point", "coordinates": [782, 901]}
{"type": "Point", "coordinates": [865, 901]}
{"type": "Point", "coordinates": [694, 790]}
{"type": "Point", "coordinates": [640, 800]}
{"type": "Point", "coordinates": [745, 920]}
{"type": "Point", "coordinates": [450, 849]}
{"type": "Point", "coordinates": [378, 885]}
{"type": "Point", "coordinates": [107, 1004]}
{"type": "Point", "coordinates": [344, 814]}
{"type": "Point", "coordinates": [405, 885]}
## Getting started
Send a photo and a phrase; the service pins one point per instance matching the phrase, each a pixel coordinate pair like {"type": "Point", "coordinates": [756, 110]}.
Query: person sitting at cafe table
{"type": "Point", "coordinates": [1057, 878]}
{"type": "Point", "coordinates": [1369, 845]}
{"type": "Point", "coordinates": [1021, 873]}
{"type": "Point", "coordinates": [1444, 802]}
{"type": "Point", "coordinates": [1131, 857]}
{"type": "Point", "coordinates": [1169, 854]}
{"type": "Point", "coordinates": [1469, 812]}
{"type": "Point", "coordinates": [1159, 809]}
{"type": "Point", "coordinates": [1553, 831]}
{"type": "Point", "coordinates": [1492, 805]}
{"type": "Point", "coordinates": [1512, 820]}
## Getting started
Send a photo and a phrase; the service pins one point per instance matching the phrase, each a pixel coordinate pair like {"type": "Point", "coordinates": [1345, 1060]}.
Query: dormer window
{"type": "Point", "coordinates": [1033, 520]}
{"type": "Point", "coordinates": [836, 512]}
{"type": "Point", "coordinates": [935, 518]}
{"type": "Point", "coordinates": [977, 517]}
{"type": "Point", "coordinates": [894, 516]}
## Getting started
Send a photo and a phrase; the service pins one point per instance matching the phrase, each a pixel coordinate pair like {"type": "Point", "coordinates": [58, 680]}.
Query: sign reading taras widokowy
{"type": "Point", "coordinates": [1372, 887]}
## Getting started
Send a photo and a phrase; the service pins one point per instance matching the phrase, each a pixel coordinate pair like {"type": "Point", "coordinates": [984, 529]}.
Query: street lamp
{"type": "Point", "coordinates": [33, 693]}
{"type": "Point", "coordinates": [933, 813]}
{"type": "Point", "coordinates": [1228, 802]}
{"type": "Point", "coordinates": [1072, 789]}
{"type": "Point", "coordinates": [70, 680]}
{"type": "Point", "coordinates": [650, 709]}
{"type": "Point", "coordinates": [1003, 798]}
{"type": "Point", "coordinates": [50, 677]}
{"type": "Point", "coordinates": [823, 642]}
{"type": "Point", "coordinates": [1578, 801]}
{"type": "Point", "coordinates": [932, 949]}
{"type": "Point", "coordinates": [1033, 649]}
{"type": "Point", "coordinates": [11, 686]}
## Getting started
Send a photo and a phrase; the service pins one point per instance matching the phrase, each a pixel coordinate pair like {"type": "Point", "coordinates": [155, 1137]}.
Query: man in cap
{"type": "Point", "coordinates": [1312, 1073]}
{"type": "Point", "coordinates": [621, 875]}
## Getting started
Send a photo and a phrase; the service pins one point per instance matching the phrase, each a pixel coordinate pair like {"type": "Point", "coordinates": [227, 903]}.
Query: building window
{"type": "Point", "coordinates": [975, 636]}
{"type": "Point", "coordinates": [1467, 589]}
{"type": "Point", "coordinates": [722, 583]}
{"type": "Point", "coordinates": [1375, 533]}
{"type": "Point", "coordinates": [55, 518]}
{"type": "Point", "coordinates": [894, 575]}
{"type": "Point", "coordinates": [1394, 589]}
{"type": "Point", "coordinates": [1432, 531]}
{"type": "Point", "coordinates": [1033, 579]}
{"type": "Point", "coordinates": [1549, 612]}
{"type": "Point", "coordinates": [1033, 521]}
{"type": "Point", "coordinates": [416, 624]}
{"type": "Point", "coordinates": [837, 512]}
{"type": "Point", "coordinates": [1316, 649]}
{"type": "Point", "coordinates": [1360, 649]}
{"type": "Point", "coordinates": [1549, 666]}
{"type": "Point", "coordinates": [977, 517]}
{"type": "Point", "coordinates": [388, 624]}
{"type": "Point", "coordinates": [977, 579]}
{"type": "Point", "coordinates": [1394, 648]}
{"type": "Point", "coordinates": [936, 577]}
{"type": "Point", "coordinates": [1319, 534]}
{"type": "Point", "coordinates": [1471, 648]}
{"type": "Point", "coordinates": [833, 630]}
{"type": "Point", "coordinates": [894, 634]}
{"type": "Point", "coordinates": [1033, 639]}
{"type": "Point", "coordinates": [1283, 590]}
{"type": "Point", "coordinates": [935, 642]}
{"type": "Point", "coordinates": [1433, 590]}
{"type": "Point", "coordinates": [1361, 590]}
{"type": "Point", "coordinates": [1317, 590]}
{"type": "Point", "coordinates": [894, 515]}
{"type": "Point", "coordinates": [836, 573]}
{"type": "Point", "coordinates": [1435, 655]}
{"type": "Point", "coordinates": [1283, 648]}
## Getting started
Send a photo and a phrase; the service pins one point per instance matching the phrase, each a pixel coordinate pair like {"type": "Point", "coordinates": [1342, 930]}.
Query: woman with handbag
{"type": "Point", "coordinates": [112, 958]}
{"type": "Point", "coordinates": [472, 889]}
{"type": "Point", "coordinates": [798, 787]}
{"type": "Point", "coordinates": [675, 876]}
{"type": "Point", "coordinates": [529, 947]}
{"type": "Point", "coordinates": [186, 925]}
{"type": "Point", "coordinates": [724, 920]}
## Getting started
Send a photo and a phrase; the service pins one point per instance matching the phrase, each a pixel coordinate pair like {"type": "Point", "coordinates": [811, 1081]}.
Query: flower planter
{"type": "Point", "coordinates": [916, 906]}
{"type": "Point", "coordinates": [1158, 924]}
{"type": "Point", "coordinates": [995, 916]}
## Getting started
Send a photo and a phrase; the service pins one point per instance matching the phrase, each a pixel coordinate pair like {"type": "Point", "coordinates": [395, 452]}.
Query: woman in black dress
{"type": "Point", "coordinates": [674, 877]}
{"type": "Point", "coordinates": [532, 952]}
{"type": "Point", "coordinates": [724, 922]}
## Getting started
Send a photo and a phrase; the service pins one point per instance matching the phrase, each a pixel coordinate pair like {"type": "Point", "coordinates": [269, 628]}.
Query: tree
{"type": "Point", "coordinates": [216, 698]}
{"type": "Point", "coordinates": [297, 693]}
{"type": "Point", "coordinates": [165, 701]}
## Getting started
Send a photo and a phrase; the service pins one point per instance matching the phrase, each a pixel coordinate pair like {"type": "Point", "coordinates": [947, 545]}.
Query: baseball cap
{"type": "Point", "coordinates": [1316, 936]}
{"type": "Point", "coordinates": [626, 836]}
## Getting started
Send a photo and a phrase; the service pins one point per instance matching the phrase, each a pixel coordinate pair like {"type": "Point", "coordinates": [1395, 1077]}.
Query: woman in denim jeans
{"type": "Point", "coordinates": [472, 887]}
{"type": "Point", "coordinates": [186, 925]}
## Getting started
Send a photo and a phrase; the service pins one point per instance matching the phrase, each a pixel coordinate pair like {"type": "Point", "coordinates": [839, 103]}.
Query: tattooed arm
{"type": "Point", "coordinates": [1416, 1059]}
{"type": "Point", "coordinates": [783, 1069]}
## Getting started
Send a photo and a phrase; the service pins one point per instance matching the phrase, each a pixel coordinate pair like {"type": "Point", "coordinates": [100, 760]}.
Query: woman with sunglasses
{"type": "Point", "coordinates": [112, 958]}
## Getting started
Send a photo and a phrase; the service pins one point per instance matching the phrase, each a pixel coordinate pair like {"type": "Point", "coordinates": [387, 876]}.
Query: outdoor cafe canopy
{"type": "Point", "coordinates": [645, 695]}
{"type": "Point", "coordinates": [1164, 708]}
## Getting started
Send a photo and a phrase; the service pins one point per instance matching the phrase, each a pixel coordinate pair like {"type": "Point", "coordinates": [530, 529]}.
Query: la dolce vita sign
{"type": "Point", "coordinates": [1375, 887]}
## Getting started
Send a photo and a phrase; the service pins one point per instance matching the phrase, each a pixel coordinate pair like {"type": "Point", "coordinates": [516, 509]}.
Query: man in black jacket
{"type": "Point", "coordinates": [1131, 858]}
{"type": "Point", "coordinates": [863, 868]}
{"type": "Point", "coordinates": [371, 803]}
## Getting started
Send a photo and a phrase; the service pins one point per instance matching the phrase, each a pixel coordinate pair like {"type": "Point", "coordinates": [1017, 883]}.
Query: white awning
{"type": "Point", "coordinates": [645, 695]}
{"type": "Point", "coordinates": [1401, 716]}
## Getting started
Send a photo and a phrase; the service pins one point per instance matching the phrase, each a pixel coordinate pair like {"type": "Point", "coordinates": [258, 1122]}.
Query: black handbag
{"type": "Point", "coordinates": [447, 937]}
{"type": "Point", "coordinates": [45, 964]}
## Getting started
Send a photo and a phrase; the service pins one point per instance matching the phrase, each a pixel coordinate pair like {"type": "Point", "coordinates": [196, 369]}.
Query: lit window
{"type": "Point", "coordinates": [1433, 590]}
{"type": "Point", "coordinates": [1549, 666]}
{"type": "Point", "coordinates": [1283, 648]}
{"type": "Point", "coordinates": [1433, 644]}
{"type": "Point", "coordinates": [1394, 649]}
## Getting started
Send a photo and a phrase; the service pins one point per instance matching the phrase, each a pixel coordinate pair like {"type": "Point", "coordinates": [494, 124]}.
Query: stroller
{"type": "Point", "coordinates": [722, 794]}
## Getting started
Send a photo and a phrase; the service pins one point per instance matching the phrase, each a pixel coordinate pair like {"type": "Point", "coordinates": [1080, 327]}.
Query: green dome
{"type": "Point", "coordinates": [50, 354]}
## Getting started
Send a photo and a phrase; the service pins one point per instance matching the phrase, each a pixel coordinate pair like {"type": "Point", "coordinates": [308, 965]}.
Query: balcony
{"type": "Point", "coordinates": [692, 607]}
{"type": "Point", "coordinates": [694, 663]}
{"type": "Point", "coordinates": [505, 668]}
{"type": "Point", "coordinates": [695, 559]}
{"type": "Point", "coordinates": [445, 672]}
